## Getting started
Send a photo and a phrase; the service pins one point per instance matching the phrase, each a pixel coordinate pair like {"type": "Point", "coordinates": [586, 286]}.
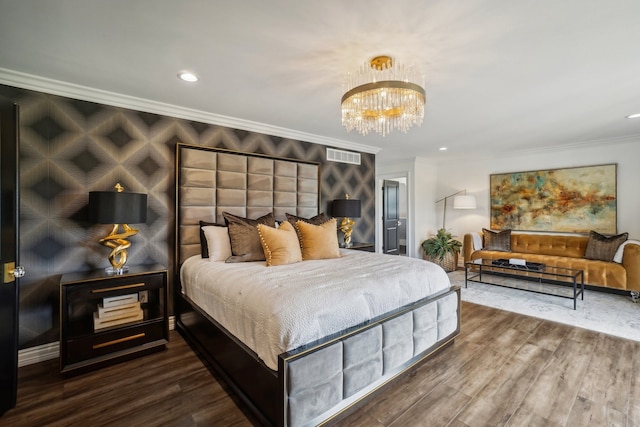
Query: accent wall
{"type": "Point", "coordinates": [69, 147]}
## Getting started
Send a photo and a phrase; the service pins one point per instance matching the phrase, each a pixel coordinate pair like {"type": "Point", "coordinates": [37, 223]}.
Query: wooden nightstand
{"type": "Point", "coordinates": [367, 247]}
{"type": "Point", "coordinates": [89, 340]}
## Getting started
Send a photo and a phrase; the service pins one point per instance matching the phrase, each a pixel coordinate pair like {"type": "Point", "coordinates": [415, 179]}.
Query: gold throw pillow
{"type": "Point", "coordinates": [319, 241]}
{"type": "Point", "coordinates": [280, 245]}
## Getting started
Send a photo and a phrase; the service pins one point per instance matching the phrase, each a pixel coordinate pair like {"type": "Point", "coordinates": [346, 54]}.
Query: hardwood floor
{"type": "Point", "coordinates": [504, 369]}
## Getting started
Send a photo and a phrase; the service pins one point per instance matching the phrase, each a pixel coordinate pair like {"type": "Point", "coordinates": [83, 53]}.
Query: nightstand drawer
{"type": "Point", "coordinates": [105, 343]}
{"type": "Point", "coordinates": [118, 286]}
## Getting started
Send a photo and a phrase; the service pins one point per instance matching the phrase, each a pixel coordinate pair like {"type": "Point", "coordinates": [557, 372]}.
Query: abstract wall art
{"type": "Point", "coordinates": [574, 200]}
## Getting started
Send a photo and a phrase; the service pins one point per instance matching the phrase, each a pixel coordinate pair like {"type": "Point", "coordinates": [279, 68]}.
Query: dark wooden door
{"type": "Point", "coordinates": [390, 217]}
{"type": "Point", "coordinates": [8, 254]}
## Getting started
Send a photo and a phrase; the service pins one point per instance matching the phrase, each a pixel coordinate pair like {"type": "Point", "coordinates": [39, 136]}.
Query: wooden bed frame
{"type": "Point", "coordinates": [264, 391]}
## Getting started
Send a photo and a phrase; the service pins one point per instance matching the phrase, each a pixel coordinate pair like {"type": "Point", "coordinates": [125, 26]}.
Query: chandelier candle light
{"type": "Point", "coordinates": [383, 96]}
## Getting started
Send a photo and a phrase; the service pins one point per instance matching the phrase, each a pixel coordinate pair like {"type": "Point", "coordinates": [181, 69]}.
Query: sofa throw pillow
{"type": "Point", "coordinates": [319, 241]}
{"type": "Point", "coordinates": [245, 240]}
{"type": "Point", "coordinates": [603, 248]}
{"type": "Point", "coordinates": [280, 245]}
{"type": "Point", "coordinates": [204, 248]}
{"type": "Point", "coordinates": [497, 240]}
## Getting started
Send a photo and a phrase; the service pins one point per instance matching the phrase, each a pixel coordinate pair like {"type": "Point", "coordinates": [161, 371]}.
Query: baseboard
{"type": "Point", "coordinates": [40, 353]}
{"type": "Point", "coordinates": [48, 351]}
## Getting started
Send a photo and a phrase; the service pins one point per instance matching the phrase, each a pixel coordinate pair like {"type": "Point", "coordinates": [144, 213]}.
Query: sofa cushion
{"type": "Point", "coordinates": [497, 241]}
{"type": "Point", "coordinates": [603, 248]}
{"type": "Point", "coordinates": [549, 244]}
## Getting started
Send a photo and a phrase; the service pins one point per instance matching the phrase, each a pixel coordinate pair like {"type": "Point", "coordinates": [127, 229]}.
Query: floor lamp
{"type": "Point", "coordinates": [460, 201]}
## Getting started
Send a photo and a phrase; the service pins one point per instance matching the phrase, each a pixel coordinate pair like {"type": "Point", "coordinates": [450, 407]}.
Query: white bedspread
{"type": "Point", "coordinates": [277, 309]}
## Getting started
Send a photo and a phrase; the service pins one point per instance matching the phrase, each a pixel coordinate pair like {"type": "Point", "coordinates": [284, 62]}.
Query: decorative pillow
{"type": "Point", "coordinates": [218, 243]}
{"type": "Point", "coordinates": [245, 240]}
{"type": "Point", "coordinates": [280, 245]}
{"type": "Point", "coordinates": [603, 248]}
{"type": "Point", "coordinates": [321, 218]}
{"type": "Point", "coordinates": [204, 249]}
{"type": "Point", "coordinates": [497, 241]}
{"type": "Point", "coordinates": [319, 241]}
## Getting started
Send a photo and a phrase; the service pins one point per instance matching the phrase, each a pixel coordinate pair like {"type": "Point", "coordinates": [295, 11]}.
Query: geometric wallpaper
{"type": "Point", "coordinates": [70, 147]}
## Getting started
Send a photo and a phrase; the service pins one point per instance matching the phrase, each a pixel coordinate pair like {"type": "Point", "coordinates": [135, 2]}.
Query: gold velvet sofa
{"type": "Point", "coordinates": [569, 252]}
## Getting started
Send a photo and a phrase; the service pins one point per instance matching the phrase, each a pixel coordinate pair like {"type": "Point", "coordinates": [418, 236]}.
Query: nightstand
{"type": "Point", "coordinates": [105, 319]}
{"type": "Point", "coordinates": [367, 247]}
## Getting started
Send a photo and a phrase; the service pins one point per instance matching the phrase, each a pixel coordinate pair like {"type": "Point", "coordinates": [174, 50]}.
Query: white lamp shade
{"type": "Point", "coordinates": [464, 202]}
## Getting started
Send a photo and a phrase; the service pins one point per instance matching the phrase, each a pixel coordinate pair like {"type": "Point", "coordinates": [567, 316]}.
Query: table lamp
{"type": "Point", "coordinates": [346, 208]}
{"type": "Point", "coordinates": [120, 209]}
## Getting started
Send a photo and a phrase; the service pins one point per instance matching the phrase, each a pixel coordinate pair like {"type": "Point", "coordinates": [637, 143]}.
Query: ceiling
{"type": "Point", "coordinates": [499, 74]}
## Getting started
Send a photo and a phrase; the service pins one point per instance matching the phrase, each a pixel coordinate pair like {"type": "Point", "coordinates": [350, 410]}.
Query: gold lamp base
{"type": "Point", "coordinates": [119, 244]}
{"type": "Point", "coordinates": [346, 226]}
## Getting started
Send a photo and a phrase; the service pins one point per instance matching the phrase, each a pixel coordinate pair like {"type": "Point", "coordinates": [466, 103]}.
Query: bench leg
{"type": "Point", "coordinates": [635, 295]}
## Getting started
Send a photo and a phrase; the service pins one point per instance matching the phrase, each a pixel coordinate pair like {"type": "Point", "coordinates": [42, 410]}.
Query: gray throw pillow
{"type": "Point", "coordinates": [497, 241]}
{"type": "Point", "coordinates": [603, 248]}
{"type": "Point", "coordinates": [245, 240]}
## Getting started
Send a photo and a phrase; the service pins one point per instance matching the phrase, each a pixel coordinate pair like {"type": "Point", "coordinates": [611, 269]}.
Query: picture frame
{"type": "Point", "coordinates": [575, 200]}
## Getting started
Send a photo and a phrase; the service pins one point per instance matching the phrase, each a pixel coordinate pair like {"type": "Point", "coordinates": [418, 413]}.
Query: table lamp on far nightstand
{"type": "Point", "coordinates": [120, 209]}
{"type": "Point", "coordinates": [346, 208]}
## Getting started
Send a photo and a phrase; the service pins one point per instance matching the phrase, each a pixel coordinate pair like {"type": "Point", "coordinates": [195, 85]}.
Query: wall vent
{"type": "Point", "coordinates": [342, 156]}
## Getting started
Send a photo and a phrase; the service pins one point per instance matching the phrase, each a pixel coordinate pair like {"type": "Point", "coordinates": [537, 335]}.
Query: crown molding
{"type": "Point", "coordinates": [85, 93]}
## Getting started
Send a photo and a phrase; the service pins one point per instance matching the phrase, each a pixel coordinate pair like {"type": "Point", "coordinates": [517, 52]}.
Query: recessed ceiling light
{"type": "Point", "coordinates": [187, 76]}
{"type": "Point", "coordinates": [442, 148]}
{"type": "Point", "coordinates": [634, 116]}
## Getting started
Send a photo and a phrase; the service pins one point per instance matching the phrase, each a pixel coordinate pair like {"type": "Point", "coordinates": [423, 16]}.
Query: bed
{"type": "Point", "coordinates": [299, 343]}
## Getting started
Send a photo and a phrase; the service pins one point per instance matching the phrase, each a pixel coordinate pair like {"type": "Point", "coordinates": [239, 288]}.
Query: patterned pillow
{"type": "Point", "coordinates": [497, 241]}
{"type": "Point", "coordinates": [319, 241]}
{"type": "Point", "coordinates": [603, 248]}
{"type": "Point", "coordinates": [245, 240]}
{"type": "Point", "coordinates": [280, 245]}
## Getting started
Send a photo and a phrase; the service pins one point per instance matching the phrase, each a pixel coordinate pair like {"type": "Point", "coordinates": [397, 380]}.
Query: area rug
{"type": "Point", "coordinates": [602, 312]}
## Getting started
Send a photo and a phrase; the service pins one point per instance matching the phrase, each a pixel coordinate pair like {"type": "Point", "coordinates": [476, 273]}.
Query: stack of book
{"type": "Point", "coordinates": [117, 310]}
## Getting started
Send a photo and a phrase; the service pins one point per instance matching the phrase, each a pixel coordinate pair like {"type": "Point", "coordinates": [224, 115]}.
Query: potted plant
{"type": "Point", "coordinates": [442, 249]}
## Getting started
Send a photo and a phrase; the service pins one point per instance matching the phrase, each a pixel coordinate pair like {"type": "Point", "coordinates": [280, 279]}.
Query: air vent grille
{"type": "Point", "coordinates": [342, 156]}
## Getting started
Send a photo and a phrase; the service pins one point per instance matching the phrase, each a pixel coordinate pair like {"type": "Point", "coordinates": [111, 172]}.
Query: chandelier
{"type": "Point", "coordinates": [383, 96]}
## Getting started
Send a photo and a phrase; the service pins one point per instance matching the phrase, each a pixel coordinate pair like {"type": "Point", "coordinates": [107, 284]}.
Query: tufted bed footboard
{"type": "Point", "coordinates": [321, 381]}
{"type": "Point", "coordinates": [324, 380]}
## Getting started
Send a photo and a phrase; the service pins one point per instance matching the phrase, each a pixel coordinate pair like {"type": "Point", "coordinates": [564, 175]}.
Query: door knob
{"type": "Point", "coordinates": [19, 272]}
{"type": "Point", "coordinates": [11, 272]}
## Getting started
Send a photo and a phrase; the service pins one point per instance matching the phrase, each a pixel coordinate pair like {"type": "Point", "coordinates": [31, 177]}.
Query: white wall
{"type": "Point", "coordinates": [433, 180]}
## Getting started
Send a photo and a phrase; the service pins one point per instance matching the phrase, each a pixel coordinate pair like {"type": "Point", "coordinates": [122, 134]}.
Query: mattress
{"type": "Point", "coordinates": [273, 310]}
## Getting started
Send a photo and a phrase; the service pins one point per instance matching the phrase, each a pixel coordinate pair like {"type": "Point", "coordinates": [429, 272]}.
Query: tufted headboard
{"type": "Point", "coordinates": [210, 181]}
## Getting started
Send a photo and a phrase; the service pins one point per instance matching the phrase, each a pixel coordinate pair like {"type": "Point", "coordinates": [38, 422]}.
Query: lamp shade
{"type": "Point", "coordinates": [112, 207]}
{"type": "Point", "coordinates": [464, 201]}
{"type": "Point", "coordinates": [346, 208]}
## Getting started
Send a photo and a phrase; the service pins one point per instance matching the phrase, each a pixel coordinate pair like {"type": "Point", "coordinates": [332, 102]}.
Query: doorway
{"type": "Point", "coordinates": [404, 227]}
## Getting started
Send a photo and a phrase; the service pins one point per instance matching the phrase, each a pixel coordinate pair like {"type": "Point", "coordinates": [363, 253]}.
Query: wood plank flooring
{"type": "Point", "coordinates": [503, 369]}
